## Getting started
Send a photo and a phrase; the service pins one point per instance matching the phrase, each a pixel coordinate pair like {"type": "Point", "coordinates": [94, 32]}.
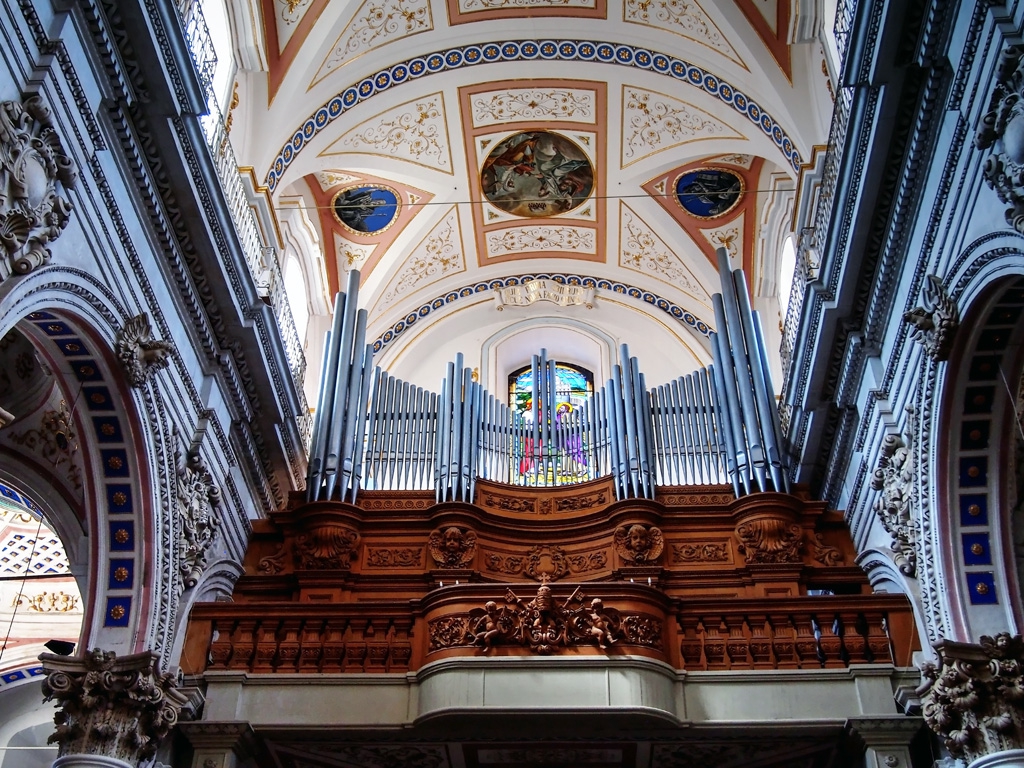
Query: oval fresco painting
{"type": "Point", "coordinates": [366, 209]}
{"type": "Point", "coordinates": [537, 173]}
{"type": "Point", "coordinates": [708, 192]}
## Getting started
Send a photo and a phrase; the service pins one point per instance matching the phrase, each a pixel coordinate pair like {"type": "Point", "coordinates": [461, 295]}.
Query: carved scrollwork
{"type": "Point", "coordinates": [973, 701]}
{"type": "Point", "coordinates": [327, 546]}
{"type": "Point", "coordinates": [452, 547]}
{"type": "Point", "coordinates": [1003, 128]}
{"type": "Point", "coordinates": [639, 544]}
{"type": "Point", "coordinates": [936, 321]}
{"type": "Point", "coordinates": [826, 554]}
{"type": "Point", "coordinates": [271, 565]}
{"type": "Point", "coordinates": [120, 707]}
{"type": "Point", "coordinates": [199, 514]}
{"type": "Point", "coordinates": [894, 477]}
{"type": "Point", "coordinates": [700, 553]}
{"type": "Point", "coordinates": [34, 173]}
{"type": "Point", "coordinates": [770, 540]}
{"type": "Point", "coordinates": [140, 354]}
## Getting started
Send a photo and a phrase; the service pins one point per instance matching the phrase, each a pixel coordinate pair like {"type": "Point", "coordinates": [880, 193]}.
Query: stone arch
{"type": "Point", "coordinates": [71, 321]}
{"type": "Point", "coordinates": [971, 575]}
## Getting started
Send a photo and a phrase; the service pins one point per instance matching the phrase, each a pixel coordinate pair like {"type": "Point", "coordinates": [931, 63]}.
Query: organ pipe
{"type": "Point", "coordinates": [718, 424]}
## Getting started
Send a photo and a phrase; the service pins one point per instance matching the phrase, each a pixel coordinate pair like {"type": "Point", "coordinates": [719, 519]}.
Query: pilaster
{"type": "Point", "coordinates": [886, 740]}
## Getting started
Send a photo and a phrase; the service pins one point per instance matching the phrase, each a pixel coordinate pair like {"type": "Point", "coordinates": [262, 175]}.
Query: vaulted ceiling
{"type": "Point", "coordinates": [446, 145]}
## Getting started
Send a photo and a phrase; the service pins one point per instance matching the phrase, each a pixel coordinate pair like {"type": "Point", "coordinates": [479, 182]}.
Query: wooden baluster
{"type": "Point", "coordinates": [760, 641]}
{"type": "Point", "coordinates": [333, 645]}
{"type": "Point", "coordinates": [690, 646]}
{"type": "Point", "coordinates": [221, 647]}
{"type": "Point", "coordinates": [783, 637]}
{"type": "Point", "coordinates": [714, 642]}
{"type": "Point", "coordinates": [312, 645]}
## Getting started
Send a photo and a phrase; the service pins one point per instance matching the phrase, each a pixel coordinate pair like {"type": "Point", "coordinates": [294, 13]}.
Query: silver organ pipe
{"type": "Point", "coordinates": [716, 425]}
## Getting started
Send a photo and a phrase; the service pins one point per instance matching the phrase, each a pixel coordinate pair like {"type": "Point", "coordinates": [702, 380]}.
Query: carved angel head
{"type": "Point", "coordinates": [639, 543]}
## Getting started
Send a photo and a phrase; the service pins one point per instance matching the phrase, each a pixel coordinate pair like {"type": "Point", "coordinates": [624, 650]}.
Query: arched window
{"type": "Point", "coordinates": [573, 387]}
{"type": "Point", "coordinates": [39, 597]}
{"type": "Point", "coordinates": [551, 447]}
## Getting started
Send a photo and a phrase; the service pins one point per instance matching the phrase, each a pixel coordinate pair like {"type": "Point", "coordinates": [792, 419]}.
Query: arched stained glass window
{"type": "Point", "coordinates": [549, 444]}
{"type": "Point", "coordinates": [573, 386]}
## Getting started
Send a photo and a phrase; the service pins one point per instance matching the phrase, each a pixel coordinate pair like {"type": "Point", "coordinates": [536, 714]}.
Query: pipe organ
{"type": "Point", "coordinates": [716, 425]}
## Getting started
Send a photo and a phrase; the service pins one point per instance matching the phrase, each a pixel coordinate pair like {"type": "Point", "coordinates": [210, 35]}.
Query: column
{"type": "Point", "coordinates": [885, 740]}
{"type": "Point", "coordinates": [974, 700]}
{"type": "Point", "coordinates": [114, 710]}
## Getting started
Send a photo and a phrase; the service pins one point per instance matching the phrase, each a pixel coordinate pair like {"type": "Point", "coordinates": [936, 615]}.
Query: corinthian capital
{"type": "Point", "coordinates": [115, 706]}
{"type": "Point", "coordinates": [974, 700]}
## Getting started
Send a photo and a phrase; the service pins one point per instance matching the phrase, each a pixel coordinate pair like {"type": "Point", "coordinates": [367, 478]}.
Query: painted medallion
{"type": "Point", "coordinates": [537, 173]}
{"type": "Point", "coordinates": [708, 192]}
{"type": "Point", "coordinates": [366, 209]}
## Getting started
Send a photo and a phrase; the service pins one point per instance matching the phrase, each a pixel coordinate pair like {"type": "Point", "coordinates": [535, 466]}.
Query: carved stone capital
{"type": "Point", "coordinates": [119, 707]}
{"type": "Point", "coordinates": [975, 700]}
{"type": "Point", "coordinates": [639, 544]}
{"type": "Point", "coordinates": [894, 477]}
{"type": "Point", "coordinates": [34, 174]}
{"type": "Point", "coordinates": [140, 354]}
{"type": "Point", "coordinates": [452, 547]}
{"type": "Point", "coordinates": [935, 321]}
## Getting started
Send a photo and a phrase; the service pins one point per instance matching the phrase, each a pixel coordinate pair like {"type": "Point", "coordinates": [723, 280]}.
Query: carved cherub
{"type": "Point", "coordinates": [936, 321]}
{"type": "Point", "coordinates": [601, 624]}
{"type": "Point", "coordinates": [452, 547]}
{"type": "Point", "coordinates": [140, 354]}
{"type": "Point", "coordinates": [638, 543]}
{"type": "Point", "coordinates": [488, 627]}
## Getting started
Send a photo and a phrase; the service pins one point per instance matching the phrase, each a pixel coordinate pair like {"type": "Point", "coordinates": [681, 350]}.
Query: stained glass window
{"type": "Point", "coordinates": [555, 450]}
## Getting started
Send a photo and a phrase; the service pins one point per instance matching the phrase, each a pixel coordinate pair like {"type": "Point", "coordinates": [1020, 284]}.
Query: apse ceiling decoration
{"type": "Point", "coordinates": [710, 200]}
{"type": "Point", "coordinates": [360, 216]}
{"type": "Point", "coordinates": [366, 209]}
{"type": "Point", "coordinates": [536, 174]}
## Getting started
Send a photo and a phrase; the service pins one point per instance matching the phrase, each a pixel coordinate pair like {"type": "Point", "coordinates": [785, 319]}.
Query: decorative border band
{"type": "Point", "coordinates": [529, 50]}
{"type": "Point", "coordinates": [679, 313]}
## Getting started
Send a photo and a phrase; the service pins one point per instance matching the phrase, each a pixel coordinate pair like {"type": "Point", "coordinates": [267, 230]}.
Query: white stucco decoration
{"type": "Point", "coordinates": [543, 289]}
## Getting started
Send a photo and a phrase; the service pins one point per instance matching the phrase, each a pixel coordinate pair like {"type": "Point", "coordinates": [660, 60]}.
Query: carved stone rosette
{"type": "Point", "coordinates": [119, 707]}
{"type": "Point", "coordinates": [936, 321]}
{"type": "Point", "coordinates": [452, 547]}
{"type": "Point", "coordinates": [199, 514]}
{"type": "Point", "coordinates": [639, 544]}
{"type": "Point", "coordinates": [34, 173]}
{"type": "Point", "coordinates": [975, 700]}
{"type": "Point", "coordinates": [140, 354]}
{"type": "Point", "coordinates": [894, 477]}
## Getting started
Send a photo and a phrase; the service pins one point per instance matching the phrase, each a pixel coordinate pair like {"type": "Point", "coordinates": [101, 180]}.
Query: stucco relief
{"type": "Point", "coordinates": [653, 122]}
{"type": "Point", "coordinates": [376, 23]}
{"type": "Point", "coordinates": [415, 131]}
{"type": "Point", "coordinates": [35, 173]}
{"type": "Point", "coordinates": [682, 17]}
{"type": "Point", "coordinates": [641, 250]}
{"type": "Point", "coordinates": [511, 104]}
{"type": "Point", "coordinates": [469, 6]}
{"type": "Point", "coordinates": [520, 239]}
{"type": "Point", "coordinates": [438, 255]}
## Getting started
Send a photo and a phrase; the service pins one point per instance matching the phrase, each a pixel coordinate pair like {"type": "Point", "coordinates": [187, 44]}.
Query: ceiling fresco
{"type": "Point", "coordinates": [435, 144]}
